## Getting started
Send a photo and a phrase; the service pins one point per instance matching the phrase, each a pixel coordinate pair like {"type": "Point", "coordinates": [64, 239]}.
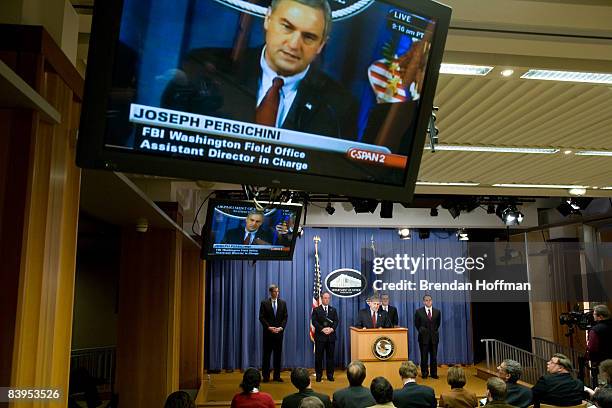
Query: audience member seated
{"type": "Point", "coordinates": [179, 399]}
{"type": "Point", "coordinates": [382, 391]}
{"type": "Point", "coordinates": [311, 402]}
{"type": "Point", "coordinates": [603, 398]}
{"type": "Point", "coordinates": [457, 397]}
{"type": "Point", "coordinates": [413, 395]}
{"type": "Point", "coordinates": [355, 395]}
{"type": "Point", "coordinates": [558, 387]}
{"type": "Point", "coordinates": [300, 378]}
{"type": "Point", "coordinates": [604, 377]}
{"type": "Point", "coordinates": [518, 395]}
{"type": "Point", "coordinates": [251, 397]}
{"type": "Point", "coordinates": [496, 393]}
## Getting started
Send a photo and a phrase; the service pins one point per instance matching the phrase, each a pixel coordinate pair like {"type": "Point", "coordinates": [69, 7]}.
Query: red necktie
{"type": "Point", "coordinates": [374, 320]}
{"type": "Point", "coordinates": [429, 314]}
{"type": "Point", "coordinates": [266, 112]}
{"type": "Point", "coordinates": [247, 239]}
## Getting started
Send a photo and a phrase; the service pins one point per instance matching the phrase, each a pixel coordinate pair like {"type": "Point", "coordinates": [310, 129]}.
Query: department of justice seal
{"type": "Point", "coordinates": [383, 348]}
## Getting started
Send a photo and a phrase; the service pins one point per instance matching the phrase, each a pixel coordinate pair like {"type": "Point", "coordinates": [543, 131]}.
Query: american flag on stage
{"type": "Point", "coordinates": [316, 287]}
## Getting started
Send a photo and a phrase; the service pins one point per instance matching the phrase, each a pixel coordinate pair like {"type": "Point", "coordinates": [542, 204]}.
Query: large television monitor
{"type": "Point", "coordinates": [239, 230]}
{"type": "Point", "coordinates": [328, 96]}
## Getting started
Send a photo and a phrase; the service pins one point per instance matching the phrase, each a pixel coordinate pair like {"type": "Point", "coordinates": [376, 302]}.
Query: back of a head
{"type": "Point", "coordinates": [514, 369]}
{"type": "Point", "coordinates": [311, 402]}
{"type": "Point", "coordinates": [603, 398]}
{"type": "Point", "coordinates": [497, 388]}
{"type": "Point", "coordinates": [602, 311]}
{"type": "Point", "coordinates": [381, 390]}
{"type": "Point", "coordinates": [250, 380]}
{"type": "Point", "coordinates": [408, 370]}
{"type": "Point", "coordinates": [456, 377]}
{"type": "Point", "coordinates": [605, 369]}
{"type": "Point", "coordinates": [179, 399]}
{"type": "Point", "coordinates": [300, 378]}
{"type": "Point", "coordinates": [356, 373]}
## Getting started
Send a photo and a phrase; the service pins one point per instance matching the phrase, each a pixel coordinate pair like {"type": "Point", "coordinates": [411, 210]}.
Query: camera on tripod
{"type": "Point", "coordinates": [582, 319]}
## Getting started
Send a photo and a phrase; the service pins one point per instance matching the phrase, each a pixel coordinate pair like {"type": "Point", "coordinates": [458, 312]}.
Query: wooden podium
{"type": "Point", "coordinates": [363, 342]}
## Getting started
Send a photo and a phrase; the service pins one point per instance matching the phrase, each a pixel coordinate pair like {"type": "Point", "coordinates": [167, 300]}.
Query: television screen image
{"type": "Point", "coordinates": [239, 230]}
{"type": "Point", "coordinates": [331, 91]}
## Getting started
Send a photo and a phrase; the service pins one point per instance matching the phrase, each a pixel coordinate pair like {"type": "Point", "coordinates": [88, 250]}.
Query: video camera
{"type": "Point", "coordinates": [582, 319]}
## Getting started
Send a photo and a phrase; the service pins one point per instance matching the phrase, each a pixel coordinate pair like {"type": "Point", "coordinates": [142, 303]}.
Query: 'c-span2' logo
{"type": "Point", "coordinates": [345, 282]}
{"type": "Point", "coordinates": [341, 9]}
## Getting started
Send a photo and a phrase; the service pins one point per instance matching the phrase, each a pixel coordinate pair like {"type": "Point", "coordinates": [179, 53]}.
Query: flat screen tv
{"type": "Point", "coordinates": [239, 230]}
{"type": "Point", "coordinates": [327, 96]}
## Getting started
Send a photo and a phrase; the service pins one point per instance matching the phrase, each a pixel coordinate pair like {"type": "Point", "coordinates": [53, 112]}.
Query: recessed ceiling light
{"type": "Point", "coordinates": [567, 151]}
{"type": "Point", "coordinates": [595, 187]}
{"type": "Point", "coordinates": [565, 187]}
{"type": "Point", "coordinates": [589, 152]}
{"type": "Point", "coordinates": [577, 191]}
{"type": "Point", "coordinates": [493, 149]}
{"type": "Point", "coordinates": [463, 69]}
{"type": "Point", "coordinates": [444, 183]}
{"type": "Point", "coordinates": [507, 72]}
{"type": "Point", "coordinates": [568, 76]}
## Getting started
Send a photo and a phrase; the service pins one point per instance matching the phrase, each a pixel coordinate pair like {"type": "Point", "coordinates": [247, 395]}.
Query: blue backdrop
{"type": "Point", "coordinates": [234, 290]}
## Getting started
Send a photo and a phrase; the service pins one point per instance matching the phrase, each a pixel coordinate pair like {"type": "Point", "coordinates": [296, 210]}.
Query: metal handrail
{"type": "Point", "coordinates": [534, 366]}
{"type": "Point", "coordinates": [98, 361]}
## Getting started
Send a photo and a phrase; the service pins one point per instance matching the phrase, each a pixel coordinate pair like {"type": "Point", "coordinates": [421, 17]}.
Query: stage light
{"type": "Point", "coordinates": [386, 209]}
{"type": "Point", "coordinates": [404, 233]}
{"type": "Point", "coordinates": [424, 233]}
{"type": "Point", "coordinates": [364, 205]}
{"type": "Point", "coordinates": [462, 235]}
{"type": "Point", "coordinates": [574, 205]}
{"type": "Point", "coordinates": [433, 212]}
{"type": "Point", "coordinates": [330, 208]}
{"type": "Point", "coordinates": [511, 215]}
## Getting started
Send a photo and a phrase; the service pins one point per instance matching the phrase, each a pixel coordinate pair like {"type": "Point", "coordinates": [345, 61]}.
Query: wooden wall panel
{"type": "Point", "coordinates": [40, 186]}
{"type": "Point", "coordinates": [149, 321]}
{"type": "Point", "coordinates": [192, 320]}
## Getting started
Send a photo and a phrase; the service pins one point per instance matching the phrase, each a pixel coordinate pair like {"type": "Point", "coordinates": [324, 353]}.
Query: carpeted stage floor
{"type": "Point", "coordinates": [218, 389]}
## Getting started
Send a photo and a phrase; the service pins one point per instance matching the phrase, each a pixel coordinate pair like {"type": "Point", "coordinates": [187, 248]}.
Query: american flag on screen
{"type": "Point", "coordinates": [316, 287]}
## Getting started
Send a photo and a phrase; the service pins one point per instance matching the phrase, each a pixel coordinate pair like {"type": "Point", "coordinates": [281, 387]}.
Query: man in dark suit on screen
{"type": "Point", "coordinates": [251, 234]}
{"type": "Point", "coordinates": [273, 317]}
{"type": "Point", "coordinates": [325, 321]}
{"type": "Point", "coordinates": [277, 85]}
{"type": "Point", "coordinates": [391, 310]}
{"type": "Point", "coordinates": [372, 317]}
{"type": "Point", "coordinates": [427, 322]}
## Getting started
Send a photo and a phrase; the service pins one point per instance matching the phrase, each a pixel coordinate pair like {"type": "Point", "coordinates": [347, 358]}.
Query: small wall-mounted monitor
{"type": "Point", "coordinates": [239, 230]}
{"type": "Point", "coordinates": [328, 96]}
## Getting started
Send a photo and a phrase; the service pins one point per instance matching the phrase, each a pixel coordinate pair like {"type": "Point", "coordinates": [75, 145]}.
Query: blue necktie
{"type": "Point", "coordinates": [274, 307]}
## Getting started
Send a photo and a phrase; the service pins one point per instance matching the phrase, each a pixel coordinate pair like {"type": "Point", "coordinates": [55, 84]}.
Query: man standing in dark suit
{"type": "Point", "coordinates": [391, 310]}
{"type": "Point", "coordinates": [413, 395]}
{"type": "Point", "coordinates": [558, 387]}
{"type": "Point", "coordinates": [355, 395]}
{"type": "Point", "coordinates": [427, 322]}
{"type": "Point", "coordinates": [325, 321]}
{"type": "Point", "coordinates": [372, 317]}
{"type": "Point", "coordinates": [273, 318]}
{"type": "Point", "coordinates": [253, 233]}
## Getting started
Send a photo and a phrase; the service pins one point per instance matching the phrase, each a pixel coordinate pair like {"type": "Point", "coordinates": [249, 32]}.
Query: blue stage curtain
{"type": "Point", "coordinates": [236, 288]}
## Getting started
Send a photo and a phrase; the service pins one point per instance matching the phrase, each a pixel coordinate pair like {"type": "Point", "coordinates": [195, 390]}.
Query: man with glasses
{"type": "Point", "coordinates": [518, 395]}
{"type": "Point", "coordinates": [558, 387]}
